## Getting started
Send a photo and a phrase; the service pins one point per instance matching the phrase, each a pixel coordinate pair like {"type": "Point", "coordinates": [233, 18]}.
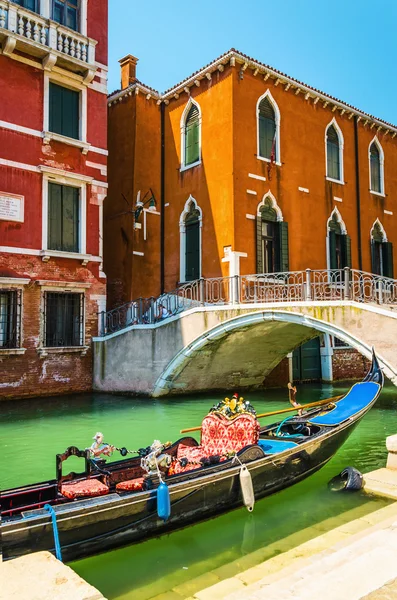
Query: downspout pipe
{"type": "Point", "coordinates": [358, 197]}
{"type": "Point", "coordinates": [162, 196]}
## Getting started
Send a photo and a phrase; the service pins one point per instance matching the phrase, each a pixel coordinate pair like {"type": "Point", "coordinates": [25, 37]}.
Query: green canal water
{"type": "Point", "coordinates": [32, 432]}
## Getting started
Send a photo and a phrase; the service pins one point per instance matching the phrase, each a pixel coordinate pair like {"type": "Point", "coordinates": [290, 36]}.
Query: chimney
{"type": "Point", "coordinates": [128, 70]}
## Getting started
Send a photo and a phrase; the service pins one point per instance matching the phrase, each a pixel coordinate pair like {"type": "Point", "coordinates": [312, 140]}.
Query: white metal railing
{"type": "Point", "coordinates": [33, 27]}
{"type": "Point", "coordinates": [291, 286]}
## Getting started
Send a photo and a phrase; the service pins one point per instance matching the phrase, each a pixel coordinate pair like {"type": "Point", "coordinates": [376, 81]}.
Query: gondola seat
{"type": "Point", "coordinates": [86, 488]}
{"type": "Point", "coordinates": [131, 485]}
{"type": "Point", "coordinates": [219, 437]}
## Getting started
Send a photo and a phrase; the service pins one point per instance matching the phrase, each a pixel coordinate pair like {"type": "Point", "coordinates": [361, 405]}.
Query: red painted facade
{"type": "Point", "coordinates": [31, 160]}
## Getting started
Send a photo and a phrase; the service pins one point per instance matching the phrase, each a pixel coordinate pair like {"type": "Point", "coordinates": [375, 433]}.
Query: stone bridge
{"type": "Point", "coordinates": [218, 347]}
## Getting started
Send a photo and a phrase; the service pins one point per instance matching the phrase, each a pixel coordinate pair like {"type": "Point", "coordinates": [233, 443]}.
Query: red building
{"type": "Point", "coordinates": [53, 157]}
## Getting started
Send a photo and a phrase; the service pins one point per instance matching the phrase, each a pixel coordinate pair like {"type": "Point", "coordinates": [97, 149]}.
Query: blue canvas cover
{"type": "Point", "coordinates": [360, 395]}
{"type": "Point", "coordinates": [275, 446]}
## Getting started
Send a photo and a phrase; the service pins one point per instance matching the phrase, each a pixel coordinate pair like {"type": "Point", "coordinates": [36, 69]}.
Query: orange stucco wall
{"type": "Point", "coordinates": [220, 183]}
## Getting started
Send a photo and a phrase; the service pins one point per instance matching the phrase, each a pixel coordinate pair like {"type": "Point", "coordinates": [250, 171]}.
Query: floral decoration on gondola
{"type": "Point", "coordinates": [232, 408]}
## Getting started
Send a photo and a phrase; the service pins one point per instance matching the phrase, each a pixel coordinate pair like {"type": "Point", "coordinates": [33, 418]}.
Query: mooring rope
{"type": "Point", "coordinates": [58, 552]}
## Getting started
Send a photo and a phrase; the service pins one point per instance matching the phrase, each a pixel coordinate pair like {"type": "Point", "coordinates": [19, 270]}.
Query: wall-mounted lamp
{"type": "Point", "coordinates": [140, 204]}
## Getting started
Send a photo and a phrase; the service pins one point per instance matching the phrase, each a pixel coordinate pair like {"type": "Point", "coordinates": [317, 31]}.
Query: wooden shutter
{"type": "Point", "coordinates": [333, 154]}
{"type": "Point", "coordinates": [374, 262]}
{"type": "Point", "coordinates": [375, 168]}
{"type": "Point", "coordinates": [267, 128]}
{"type": "Point", "coordinates": [346, 251]}
{"type": "Point", "coordinates": [192, 136]}
{"type": "Point", "coordinates": [64, 111]}
{"type": "Point", "coordinates": [70, 219]}
{"type": "Point", "coordinates": [192, 268]}
{"type": "Point", "coordinates": [283, 247]}
{"type": "Point", "coordinates": [387, 256]}
{"type": "Point", "coordinates": [259, 257]}
{"type": "Point", "coordinates": [332, 249]}
{"type": "Point", "coordinates": [54, 216]}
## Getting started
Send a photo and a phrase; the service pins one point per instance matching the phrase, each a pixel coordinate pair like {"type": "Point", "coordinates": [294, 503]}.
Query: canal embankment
{"type": "Point", "coordinates": [40, 576]}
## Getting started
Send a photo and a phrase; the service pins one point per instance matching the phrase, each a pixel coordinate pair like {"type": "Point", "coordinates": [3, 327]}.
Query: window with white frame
{"type": "Point", "coordinates": [10, 318]}
{"type": "Point", "coordinates": [268, 128]}
{"type": "Point", "coordinates": [32, 5]}
{"type": "Point", "coordinates": [376, 167]}
{"type": "Point", "coordinates": [190, 226]}
{"type": "Point", "coordinates": [191, 135]}
{"type": "Point", "coordinates": [334, 149]}
{"type": "Point", "coordinates": [63, 319]}
{"type": "Point", "coordinates": [63, 218]}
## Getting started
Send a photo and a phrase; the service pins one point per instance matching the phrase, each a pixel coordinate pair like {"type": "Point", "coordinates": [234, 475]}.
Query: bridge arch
{"type": "Point", "coordinates": [299, 328]}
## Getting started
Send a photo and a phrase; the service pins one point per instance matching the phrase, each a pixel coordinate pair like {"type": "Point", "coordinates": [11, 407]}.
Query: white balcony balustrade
{"type": "Point", "coordinates": [25, 31]}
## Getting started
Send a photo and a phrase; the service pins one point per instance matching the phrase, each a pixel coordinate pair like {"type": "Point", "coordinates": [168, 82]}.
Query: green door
{"type": "Point", "coordinates": [192, 250]}
{"type": "Point", "coordinates": [306, 361]}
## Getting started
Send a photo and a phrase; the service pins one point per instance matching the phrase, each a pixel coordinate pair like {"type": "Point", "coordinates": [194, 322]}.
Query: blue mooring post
{"type": "Point", "coordinates": [58, 552]}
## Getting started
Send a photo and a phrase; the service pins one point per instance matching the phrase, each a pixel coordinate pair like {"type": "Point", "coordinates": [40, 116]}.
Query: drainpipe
{"type": "Point", "coordinates": [358, 198]}
{"type": "Point", "coordinates": [162, 196]}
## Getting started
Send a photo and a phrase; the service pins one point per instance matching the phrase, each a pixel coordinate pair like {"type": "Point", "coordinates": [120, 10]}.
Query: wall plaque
{"type": "Point", "coordinates": [11, 207]}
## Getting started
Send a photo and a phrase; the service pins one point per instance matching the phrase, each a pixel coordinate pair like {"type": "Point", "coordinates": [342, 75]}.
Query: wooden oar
{"type": "Point", "coordinates": [279, 412]}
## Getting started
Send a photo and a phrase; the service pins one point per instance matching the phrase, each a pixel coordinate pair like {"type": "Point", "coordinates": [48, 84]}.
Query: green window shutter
{"type": "Point", "coordinates": [64, 111]}
{"type": "Point", "coordinates": [283, 245]}
{"type": "Point", "coordinates": [387, 256]}
{"type": "Point", "coordinates": [267, 128]}
{"type": "Point", "coordinates": [346, 251]}
{"type": "Point", "coordinates": [374, 262]}
{"type": "Point", "coordinates": [54, 216]}
{"type": "Point", "coordinates": [259, 257]}
{"type": "Point", "coordinates": [332, 249]}
{"type": "Point", "coordinates": [375, 168]}
{"type": "Point", "coordinates": [70, 219]}
{"type": "Point", "coordinates": [333, 154]}
{"type": "Point", "coordinates": [192, 136]}
{"type": "Point", "coordinates": [192, 268]}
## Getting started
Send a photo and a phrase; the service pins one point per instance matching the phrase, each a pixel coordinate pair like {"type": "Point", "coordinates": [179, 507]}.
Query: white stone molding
{"type": "Point", "coordinates": [339, 133]}
{"type": "Point", "coordinates": [277, 115]}
{"type": "Point", "coordinates": [381, 164]}
{"type": "Point", "coordinates": [269, 199]}
{"type": "Point", "coordinates": [185, 113]}
{"type": "Point", "coordinates": [182, 237]}
{"type": "Point", "coordinates": [382, 229]}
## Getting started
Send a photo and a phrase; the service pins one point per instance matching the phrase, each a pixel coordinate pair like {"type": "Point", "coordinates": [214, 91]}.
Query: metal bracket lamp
{"type": "Point", "coordinates": [140, 204]}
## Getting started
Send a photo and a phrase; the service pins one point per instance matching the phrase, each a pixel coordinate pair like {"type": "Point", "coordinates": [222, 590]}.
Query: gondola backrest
{"type": "Point", "coordinates": [72, 451]}
{"type": "Point", "coordinates": [220, 435]}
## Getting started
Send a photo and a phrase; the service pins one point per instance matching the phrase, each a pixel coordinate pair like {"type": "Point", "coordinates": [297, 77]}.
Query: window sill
{"type": "Point", "coordinates": [84, 258]}
{"type": "Point", "coordinates": [275, 162]}
{"type": "Point", "coordinates": [335, 180]}
{"type": "Point", "coordinates": [380, 194]}
{"type": "Point", "coordinates": [11, 351]}
{"type": "Point", "coordinates": [43, 352]}
{"type": "Point", "coordinates": [186, 167]}
{"type": "Point", "coordinates": [48, 136]}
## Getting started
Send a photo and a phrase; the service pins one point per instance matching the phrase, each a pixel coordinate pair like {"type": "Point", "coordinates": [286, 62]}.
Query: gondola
{"type": "Point", "coordinates": [111, 504]}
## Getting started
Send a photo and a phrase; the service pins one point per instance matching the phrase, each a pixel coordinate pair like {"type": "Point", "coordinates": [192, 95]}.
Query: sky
{"type": "Point", "coordinates": [347, 49]}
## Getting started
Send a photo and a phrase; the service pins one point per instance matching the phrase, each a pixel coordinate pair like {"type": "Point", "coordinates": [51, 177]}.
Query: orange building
{"type": "Point", "coordinates": [242, 169]}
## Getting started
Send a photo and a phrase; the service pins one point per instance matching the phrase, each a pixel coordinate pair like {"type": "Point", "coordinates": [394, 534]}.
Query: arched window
{"type": "Point", "coordinates": [272, 238]}
{"type": "Point", "coordinates": [191, 135]}
{"type": "Point", "coordinates": [267, 130]}
{"type": "Point", "coordinates": [334, 153]}
{"type": "Point", "coordinates": [376, 167]}
{"type": "Point", "coordinates": [190, 241]}
{"type": "Point", "coordinates": [381, 251]}
{"type": "Point", "coordinates": [339, 244]}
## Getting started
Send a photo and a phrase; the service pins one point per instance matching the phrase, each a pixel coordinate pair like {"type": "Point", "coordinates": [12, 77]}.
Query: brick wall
{"type": "Point", "coordinates": [347, 363]}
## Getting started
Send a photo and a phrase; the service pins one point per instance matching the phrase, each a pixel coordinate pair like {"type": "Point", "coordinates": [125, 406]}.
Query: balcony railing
{"type": "Point", "coordinates": [299, 286]}
{"type": "Point", "coordinates": [31, 33]}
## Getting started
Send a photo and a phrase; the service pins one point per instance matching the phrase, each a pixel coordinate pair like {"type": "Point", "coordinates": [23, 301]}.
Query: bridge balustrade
{"type": "Point", "coordinates": [293, 286]}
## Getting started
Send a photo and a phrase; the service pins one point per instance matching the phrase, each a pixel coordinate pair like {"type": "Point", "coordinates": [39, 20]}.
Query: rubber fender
{"type": "Point", "coordinates": [163, 501]}
{"type": "Point", "coordinates": [247, 488]}
{"type": "Point", "coordinates": [349, 479]}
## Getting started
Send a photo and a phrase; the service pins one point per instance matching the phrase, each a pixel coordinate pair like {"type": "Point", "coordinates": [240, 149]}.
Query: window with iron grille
{"type": "Point", "coordinates": [63, 217]}
{"type": "Point", "coordinates": [10, 318]}
{"type": "Point", "coordinates": [66, 13]}
{"type": "Point", "coordinates": [338, 343]}
{"type": "Point", "coordinates": [63, 319]}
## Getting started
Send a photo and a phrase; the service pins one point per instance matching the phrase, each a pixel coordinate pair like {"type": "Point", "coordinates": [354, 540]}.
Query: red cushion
{"type": "Point", "coordinates": [220, 435]}
{"type": "Point", "coordinates": [192, 453]}
{"type": "Point", "coordinates": [131, 485]}
{"type": "Point", "coordinates": [84, 489]}
{"type": "Point", "coordinates": [176, 468]}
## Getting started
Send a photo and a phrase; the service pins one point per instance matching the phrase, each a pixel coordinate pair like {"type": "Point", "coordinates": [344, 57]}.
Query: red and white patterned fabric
{"type": "Point", "coordinates": [192, 453]}
{"type": "Point", "coordinates": [177, 468]}
{"type": "Point", "coordinates": [131, 485]}
{"type": "Point", "coordinates": [220, 436]}
{"type": "Point", "coordinates": [87, 488]}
